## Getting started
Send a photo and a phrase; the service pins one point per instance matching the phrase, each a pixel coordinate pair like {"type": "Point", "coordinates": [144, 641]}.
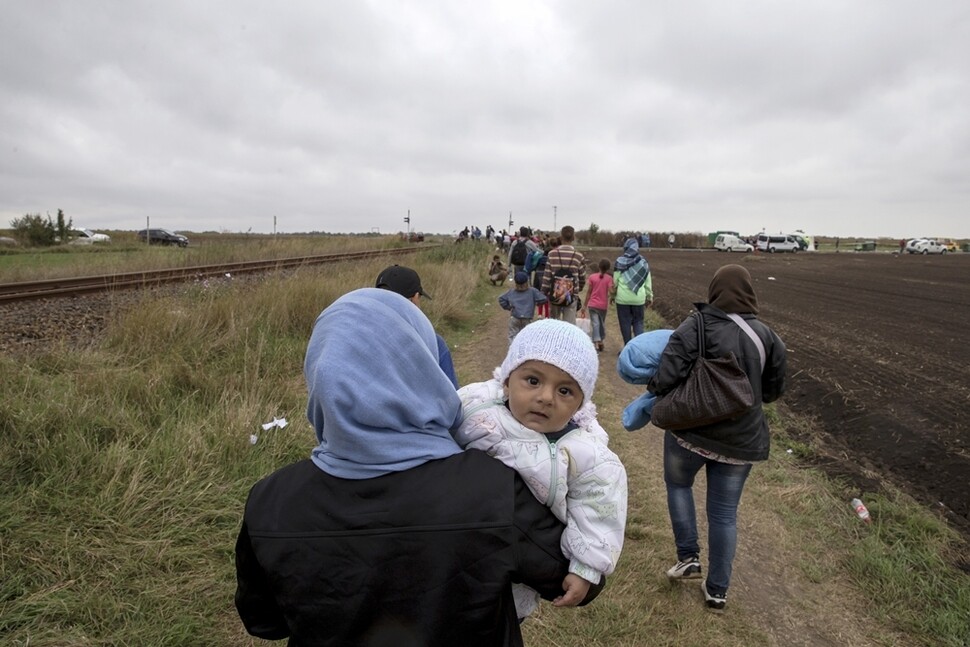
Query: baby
{"type": "Point", "coordinates": [536, 416]}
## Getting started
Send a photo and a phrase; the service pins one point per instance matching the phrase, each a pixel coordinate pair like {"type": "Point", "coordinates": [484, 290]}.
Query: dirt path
{"type": "Point", "coordinates": [770, 594]}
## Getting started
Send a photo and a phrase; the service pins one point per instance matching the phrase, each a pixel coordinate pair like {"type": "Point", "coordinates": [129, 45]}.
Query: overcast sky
{"type": "Point", "coordinates": [848, 118]}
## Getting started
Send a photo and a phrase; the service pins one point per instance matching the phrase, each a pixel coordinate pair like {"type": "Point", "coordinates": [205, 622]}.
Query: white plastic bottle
{"type": "Point", "coordinates": [861, 510]}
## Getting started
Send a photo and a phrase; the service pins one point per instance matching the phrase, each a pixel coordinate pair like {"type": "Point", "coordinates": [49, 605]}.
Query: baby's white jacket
{"type": "Point", "coordinates": [578, 477]}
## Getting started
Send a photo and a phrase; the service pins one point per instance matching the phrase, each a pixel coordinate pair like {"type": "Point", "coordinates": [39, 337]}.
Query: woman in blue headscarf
{"type": "Point", "coordinates": [633, 290]}
{"type": "Point", "coordinates": [388, 533]}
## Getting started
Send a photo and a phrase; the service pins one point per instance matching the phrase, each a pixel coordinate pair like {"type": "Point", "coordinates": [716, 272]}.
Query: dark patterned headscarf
{"type": "Point", "coordinates": [731, 291]}
{"type": "Point", "coordinates": [633, 268]}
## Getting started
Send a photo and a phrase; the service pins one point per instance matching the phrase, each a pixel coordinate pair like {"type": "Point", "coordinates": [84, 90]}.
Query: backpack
{"type": "Point", "coordinates": [562, 288]}
{"type": "Point", "coordinates": [519, 252]}
{"type": "Point", "coordinates": [532, 262]}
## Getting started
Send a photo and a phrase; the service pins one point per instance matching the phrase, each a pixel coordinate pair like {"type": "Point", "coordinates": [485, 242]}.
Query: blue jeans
{"type": "Point", "coordinates": [724, 485]}
{"type": "Point", "coordinates": [597, 320]}
{"type": "Point", "coordinates": [631, 321]}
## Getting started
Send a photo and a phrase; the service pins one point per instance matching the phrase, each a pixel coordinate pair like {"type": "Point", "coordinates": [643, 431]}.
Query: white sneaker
{"type": "Point", "coordinates": [689, 569]}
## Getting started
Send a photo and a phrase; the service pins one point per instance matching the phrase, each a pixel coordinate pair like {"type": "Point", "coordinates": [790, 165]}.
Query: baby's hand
{"type": "Point", "coordinates": [575, 589]}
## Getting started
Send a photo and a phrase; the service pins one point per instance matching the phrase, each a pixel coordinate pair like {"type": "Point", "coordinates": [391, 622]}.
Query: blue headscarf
{"type": "Point", "coordinates": [632, 266]}
{"type": "Point", "coordinates": [378, 400]}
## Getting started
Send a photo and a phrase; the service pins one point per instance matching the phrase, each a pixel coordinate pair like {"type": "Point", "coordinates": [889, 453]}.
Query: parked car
{"type": "Point", "coordinates": [777, 243]}
{"type": "Point", "coordinates": [949, 244]}
{"type": "Point", "coordinates": [866, 246]}
{"type": "Point", "coordinates": [926, 246]}
{"type": "Point", "coordinates": [731, 243]}
{"type": "Point", "coordinates": [911, 244]}
{"type": "Point", "coordinates": [87, 237]}
{"type": "Point", "coordinates": [162, 237]}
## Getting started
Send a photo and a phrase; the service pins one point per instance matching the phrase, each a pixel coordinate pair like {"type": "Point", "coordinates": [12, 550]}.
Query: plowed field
{"type": "Point", "coordinates": [878, 354]}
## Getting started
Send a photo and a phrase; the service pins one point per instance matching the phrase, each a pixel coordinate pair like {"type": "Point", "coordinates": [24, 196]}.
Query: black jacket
{"type": "Point", "coordinates": [420, 558]}
{"type": "Point", "coordinates": [745, 437]}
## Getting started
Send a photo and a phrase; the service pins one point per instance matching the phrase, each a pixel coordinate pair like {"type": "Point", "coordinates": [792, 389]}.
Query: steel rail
{"type": "Point", "coordinates": [64, 287]}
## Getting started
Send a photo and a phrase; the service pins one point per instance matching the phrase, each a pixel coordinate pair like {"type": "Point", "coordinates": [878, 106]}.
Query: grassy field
{"type": "Point", "coordinates": [126, 466]}
{"type": "Point", "coordinates": [125, 254]}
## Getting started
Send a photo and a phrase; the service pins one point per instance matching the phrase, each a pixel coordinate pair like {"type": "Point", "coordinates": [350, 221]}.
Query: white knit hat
{"type": "Point", "coordinates": [554, 342]}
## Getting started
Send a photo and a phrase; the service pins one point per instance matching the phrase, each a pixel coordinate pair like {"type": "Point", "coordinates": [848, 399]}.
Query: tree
{"type": "Point", "coordinates": [63, 228]}
{"type": "Point", "coordinates": [34, 230]}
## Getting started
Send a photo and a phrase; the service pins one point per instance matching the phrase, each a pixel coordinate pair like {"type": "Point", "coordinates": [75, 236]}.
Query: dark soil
{"type": "Point", "coordinates": [878, 355]}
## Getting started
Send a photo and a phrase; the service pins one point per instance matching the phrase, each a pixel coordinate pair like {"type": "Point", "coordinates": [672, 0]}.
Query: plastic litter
{"type": "Point", "coordinates": [861, 510]}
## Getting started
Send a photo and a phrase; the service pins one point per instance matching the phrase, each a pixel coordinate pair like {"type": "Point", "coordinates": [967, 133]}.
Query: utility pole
{"type": "Point", "coordinates": [274, 225]}
{"type": "Point", "coordinates": [510, 222]}
{"type": "Point", "coordinates": [554, 228]}
{"type": "Point", "coordinates": [407, 220]}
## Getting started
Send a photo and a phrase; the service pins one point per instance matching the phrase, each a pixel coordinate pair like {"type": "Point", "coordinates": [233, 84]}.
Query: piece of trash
{"type": "Point", "coordinates": [228, 275]}
{"type": "Point", "coordinates": [253, 439]}
{"type": "Point", "coordinates": [861, 510]}
{"type": "Point", "coordinates": [771, 278]}
{"type": "Point", "coordinates": [277, 422]}
{"type": "Point", "coordinates": [790, 451]}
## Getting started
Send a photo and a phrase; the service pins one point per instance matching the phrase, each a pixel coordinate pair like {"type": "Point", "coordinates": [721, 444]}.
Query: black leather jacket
{"type": "Point", "coordinates": [745, 437]}
{"type": "Point", "coordinates": [423, 557]}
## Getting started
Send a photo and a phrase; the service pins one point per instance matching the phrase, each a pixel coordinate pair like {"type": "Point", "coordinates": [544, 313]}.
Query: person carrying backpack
{"type": "Point", "coordinates": [542, 309]}
{"type": "Point", "coordinates": [564, 277]}
{"type": "Point", "coordinates": [532, 262]}
{"type": "Point", "coordinates": [520, 250]}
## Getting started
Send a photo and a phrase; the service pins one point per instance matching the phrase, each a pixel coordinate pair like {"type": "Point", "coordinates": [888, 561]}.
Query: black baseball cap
{"type": "Point", "coordinates": [402, 280]}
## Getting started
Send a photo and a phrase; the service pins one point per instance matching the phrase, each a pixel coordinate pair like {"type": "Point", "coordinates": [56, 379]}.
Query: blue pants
{"type": "Point", "coordinates": [597, 320]}
{"type": "Point", "coordinates": [631, 321]}
{"type": "Point", "coordinates": [724, 485]}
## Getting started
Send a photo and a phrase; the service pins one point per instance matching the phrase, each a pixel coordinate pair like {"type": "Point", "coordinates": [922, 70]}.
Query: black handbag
{"type": "Point", "coordinates": [715, 390]}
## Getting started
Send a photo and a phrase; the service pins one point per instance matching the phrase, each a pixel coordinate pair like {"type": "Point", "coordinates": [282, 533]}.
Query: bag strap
{"type": "Point", "coordinates": [700, 334]}
{"type": "Point", "coordinates": [754, 337]}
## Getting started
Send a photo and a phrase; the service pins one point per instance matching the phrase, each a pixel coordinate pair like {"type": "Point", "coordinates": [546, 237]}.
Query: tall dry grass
{"type": "Point", "coordinates": [125, 466]}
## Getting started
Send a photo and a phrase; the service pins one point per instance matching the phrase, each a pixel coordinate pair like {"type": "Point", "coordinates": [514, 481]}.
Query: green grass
{"type": "Point", "coordinates": [125, 254]}
{"type": "Point", "coordinates": [125, 468]}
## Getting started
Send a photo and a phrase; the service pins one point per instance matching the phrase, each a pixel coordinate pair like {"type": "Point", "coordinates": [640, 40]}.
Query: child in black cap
{"type": "Point", "coordinates": [407, 283]}
{"type": "Point", "coordinates": [521, 301]}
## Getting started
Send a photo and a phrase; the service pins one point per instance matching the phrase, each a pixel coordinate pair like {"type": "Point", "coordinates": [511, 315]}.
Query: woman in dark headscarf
{"type": "Point", "coordinates": [632, 289]}
{"type": "Point", "coordinates": [726, 449]}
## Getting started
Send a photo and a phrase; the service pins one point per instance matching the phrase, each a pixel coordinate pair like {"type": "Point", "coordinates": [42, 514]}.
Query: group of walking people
{"type": "Point", "coordinates": [433, 514]}
{"type": "Point", "coordinates": [625, 283]}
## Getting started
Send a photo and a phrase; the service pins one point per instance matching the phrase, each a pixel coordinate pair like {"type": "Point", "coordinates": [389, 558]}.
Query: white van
{"type": "Point", "coordinates": [777, 243]}
{"type": "Point", "coordinates": [731, 243]}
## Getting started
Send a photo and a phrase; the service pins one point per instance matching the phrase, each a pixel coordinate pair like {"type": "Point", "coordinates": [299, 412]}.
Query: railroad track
{"type": "Point", "coordinates": [47, 288]}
